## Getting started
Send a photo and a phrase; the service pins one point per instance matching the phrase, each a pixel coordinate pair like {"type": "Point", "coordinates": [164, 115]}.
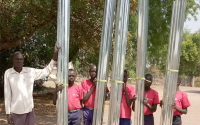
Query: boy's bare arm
{"type": "Point", "coordinates": [128, 101]}
{"type": "Point", "coordinates": [57, 89]}
{"type": "Point", "coordinates": [86, 96]}
{"type": "Point", "coordinates": [133, 104]}
{"type": "Point", "coordinates": [182, 111]}
{"type": "Point", "coordinates": [152, 108]}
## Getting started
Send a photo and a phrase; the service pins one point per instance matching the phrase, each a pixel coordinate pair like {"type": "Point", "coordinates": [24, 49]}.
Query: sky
{"type": "Point", "coordinates": [192, 24]}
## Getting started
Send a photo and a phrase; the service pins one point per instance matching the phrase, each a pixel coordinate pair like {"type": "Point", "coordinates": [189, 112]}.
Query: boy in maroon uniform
{"type": "Point", "coordinates": [128, 94]}
{"type": "Point", "coordinates": [180, 106]}
{"type": "Point", "coordinates": [75, 95]}
{"type": "Point", "coordinates": [89, 91]}
{"type": "Point", "coordinates": [150, 102]}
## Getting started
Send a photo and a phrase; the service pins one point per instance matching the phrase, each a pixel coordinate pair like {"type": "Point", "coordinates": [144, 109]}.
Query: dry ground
{"type": "Point", "coordinates": [46, 112]}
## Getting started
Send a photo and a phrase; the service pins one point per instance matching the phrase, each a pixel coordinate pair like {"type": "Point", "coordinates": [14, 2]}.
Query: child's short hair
{"type": "Point", "coordinates": [149, 75]}
{"type": "Point", "coordinates": [72, 70]}
{"type": "Point", "coordinates": [92, 65]}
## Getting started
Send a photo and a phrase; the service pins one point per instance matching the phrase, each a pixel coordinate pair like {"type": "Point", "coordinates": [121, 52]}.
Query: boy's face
{"type": "Point", "coordinates": [18, 60]}
{"type": "Point", "coordinates": [178, 81]}
{"type": "Point", "coordinates": [71, 76]}
{"type": "Point", "coordinates": [93, 72]}
{"type": "Point", "coordinates": [125, 77]}
{"type": "Point", "coordinates": [149, 82]}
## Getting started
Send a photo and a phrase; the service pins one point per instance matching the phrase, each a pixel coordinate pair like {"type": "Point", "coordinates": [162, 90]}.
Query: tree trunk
{"type": "Point", "coordinates": [193, 81]}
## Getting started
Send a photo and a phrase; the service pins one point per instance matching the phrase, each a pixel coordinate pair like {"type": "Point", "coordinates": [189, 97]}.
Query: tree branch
{"type": "Point", "coordinates": [11, 44]}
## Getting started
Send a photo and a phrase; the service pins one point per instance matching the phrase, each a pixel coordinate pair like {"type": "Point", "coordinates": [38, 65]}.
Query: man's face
{"type": "Point", "coordinates": [71, 76]}
{"type": "Point", "coordinates": [93, 72]}
{"type": "Point", "coordinates": [18, 60]}
{"type": "Point", "coordinates": [149, 82]}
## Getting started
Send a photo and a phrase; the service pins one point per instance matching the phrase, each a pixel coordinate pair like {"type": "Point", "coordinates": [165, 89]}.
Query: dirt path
{"type": "Point", "coordinates": [45, 111]}
{"type": "Point", "coordinates": [192, 118]}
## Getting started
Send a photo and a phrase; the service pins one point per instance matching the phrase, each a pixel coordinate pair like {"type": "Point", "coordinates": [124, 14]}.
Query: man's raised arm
{"type": "Point", "coordinates": [42, 73]}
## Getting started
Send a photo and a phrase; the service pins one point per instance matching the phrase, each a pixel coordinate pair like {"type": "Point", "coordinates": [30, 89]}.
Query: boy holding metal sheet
{"type": "Point", "coordinates": [128, 94]}
{"type": "Point", "coordinates": [89, 91]}
{"type": "Point", "coordinates": [75, 96]}
{"type": "Point", "coordinates": [180, 106]}
{"type": "Point", "coordinates": [150, 102]}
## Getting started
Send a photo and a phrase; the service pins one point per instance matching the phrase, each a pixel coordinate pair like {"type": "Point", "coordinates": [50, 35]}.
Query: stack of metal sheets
{"type": "Point", "coordinates": [174, 50]}
{"type": "Point", "coordinates": [143, 8]}
{"type": "Point", "coordinates": [123, 8]}
{"type": "Point", "coordinates": [63, 28]}
{"type": "Point", "coordinates": [104, 59]}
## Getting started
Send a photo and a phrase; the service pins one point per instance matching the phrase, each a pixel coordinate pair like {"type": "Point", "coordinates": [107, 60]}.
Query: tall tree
{"type": "Point", "coordinates": [190, 54]}
{"type": "Point", "coordinates": [30, 26]}
{"type": "Point", "coordinates": [160, 12]}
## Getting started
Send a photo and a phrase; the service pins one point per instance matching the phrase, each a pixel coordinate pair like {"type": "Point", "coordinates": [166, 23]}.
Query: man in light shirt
{"type": "Point", "coordinates": [18, 89]}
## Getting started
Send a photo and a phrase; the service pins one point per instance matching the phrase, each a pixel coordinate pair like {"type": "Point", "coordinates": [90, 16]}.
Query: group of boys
{"type": "Point", "coordinates": [80, 94]}
{"type": "Point", "coordinates": [18, 88]}
{"type": "Point", "coordinates": [86, 94]}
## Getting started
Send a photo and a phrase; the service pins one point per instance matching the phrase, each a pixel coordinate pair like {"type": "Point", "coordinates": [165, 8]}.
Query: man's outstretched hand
{"type": "Point", "coordinates": [56, 50]}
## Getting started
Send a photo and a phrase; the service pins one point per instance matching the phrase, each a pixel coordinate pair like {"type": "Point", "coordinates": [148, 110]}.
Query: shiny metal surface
{"type": "Point", "coordinates": [123, 8]}
{"type": "Point", "coordinates": [59, 65]}
{"type": "Point", "coordinates": [104, 59]}
{"type": "Point", "coordinates": [62, 51]}
{"type": "Point", "coordinates": [174, 51]}
{"type": "Point", "coordinates": [63, 28]}
{"type": "Point", "coordinates": [66, 31]}
{"type": "Point", "coordinates": [143, 6]}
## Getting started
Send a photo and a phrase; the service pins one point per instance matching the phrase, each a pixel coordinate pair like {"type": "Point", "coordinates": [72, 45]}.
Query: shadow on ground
{"type": "Point", "coordinates": [193, 91]}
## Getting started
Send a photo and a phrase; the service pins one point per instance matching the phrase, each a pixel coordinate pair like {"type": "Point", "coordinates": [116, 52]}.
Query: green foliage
{"type": "Point", "coordinates": [158, 34]}
{"type": "Point", "coordinates": [190, 54]}
{"type": "Point", "coordinates": [159, 29]}
{"type": "Point", "coordinates": [30, 26]}
{"type": "Point", "coordinates": [192, 8]}
{"type": "Point", "coordinates": [130, 63]}
{"type": "Point", "coordinates": [20, 20]}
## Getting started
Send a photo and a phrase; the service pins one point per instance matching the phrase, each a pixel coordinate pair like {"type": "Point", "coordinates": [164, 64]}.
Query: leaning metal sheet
{"type": "Point", "coordinates": [66, 29]}
{"type": "Point", "coordinates": [123, 8]}
{"type": "Point", "coordinates": [174, 50]}
{"type": "Point", "coordinates": [141, 60]}
{"type": "Point", "coordinates": [104, 59]}
{"type": "Point", "coordinates": [59, 73]}
{"type": "Point", "coordinates": [62, 59]}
